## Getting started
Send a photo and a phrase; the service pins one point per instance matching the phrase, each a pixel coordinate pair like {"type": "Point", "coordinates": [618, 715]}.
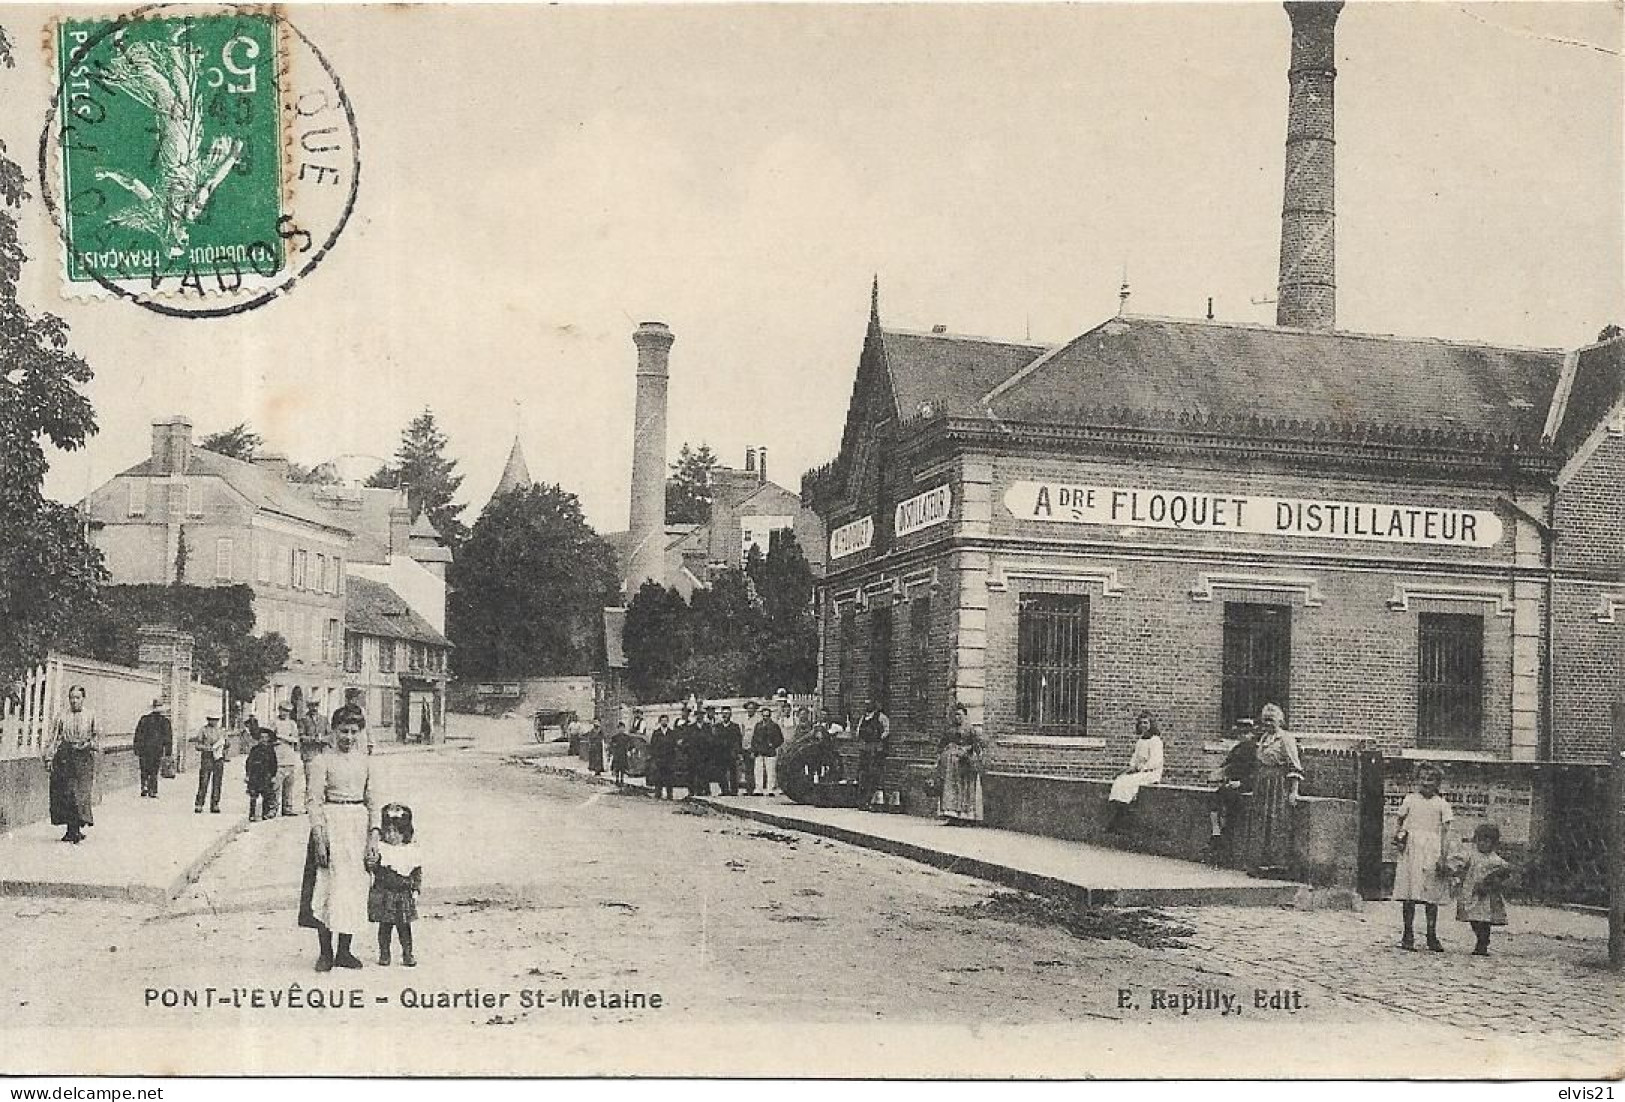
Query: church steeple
{"type": "Point", "coordinates": [515, 475]}
{"type": "Point", "coordinates": [874, 302]}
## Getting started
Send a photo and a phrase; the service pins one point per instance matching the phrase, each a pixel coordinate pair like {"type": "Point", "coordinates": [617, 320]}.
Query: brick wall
{"type": "Point", "coordinates": [1588, 605]}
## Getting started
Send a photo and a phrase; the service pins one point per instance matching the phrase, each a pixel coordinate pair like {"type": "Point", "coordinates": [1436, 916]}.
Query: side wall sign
{"type": "Point", "coordinates": [849, 539]}
{"type": "Point", "coordinates": [922, 511]}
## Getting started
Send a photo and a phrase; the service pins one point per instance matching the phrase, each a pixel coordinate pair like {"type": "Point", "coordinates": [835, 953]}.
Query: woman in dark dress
{"type": "Point", "coordinates": [71, 752]}
{"type": "Point", "coordinates": [595, 748]}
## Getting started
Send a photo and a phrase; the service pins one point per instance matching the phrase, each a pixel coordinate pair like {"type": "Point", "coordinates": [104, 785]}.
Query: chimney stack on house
{"type": "Point", "coordinates": [400, 527]}
{"type": "Point", "coordinates": [273, 463]}
{"type": "Point", "coordinates": [750, 460]}
{"type": "Point", "coordinates": [646, 558]}
{"type": "Point", "coordinates": [1306, 296]}
{"type": "Point", "coordinates": [171, 445]}
{"type": "Point", "coordinates": [761, 464]}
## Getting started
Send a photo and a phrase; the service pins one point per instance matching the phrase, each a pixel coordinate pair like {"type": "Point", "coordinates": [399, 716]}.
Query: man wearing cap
{"type": "Point", "coordinates": [314, 735]}
{"type": "Point", "coordinates": [287, 755]}
{"type": "Point", "coordinates": [152, 737]}
{"type": "Point", "coordinates": [214, 747]}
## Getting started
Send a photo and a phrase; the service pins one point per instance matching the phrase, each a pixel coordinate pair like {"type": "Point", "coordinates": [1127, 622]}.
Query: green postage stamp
{"type": "Point", "coordinates": [170, 149]}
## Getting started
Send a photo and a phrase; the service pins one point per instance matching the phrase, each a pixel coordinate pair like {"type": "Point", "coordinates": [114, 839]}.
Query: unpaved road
{"type": "Point", "coordinates": [769, 952]}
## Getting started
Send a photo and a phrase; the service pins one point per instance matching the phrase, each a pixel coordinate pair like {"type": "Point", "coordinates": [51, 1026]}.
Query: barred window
{"type": "Point", "coordinates": [1257, 660]}
{"type": "Point", "coordinates": [1450, 680]}
{"type": "Point", "coordinates": [848, 662]}
{"type": "Point", "coordinates": [1052, 660]}
{"type": "Point", "coordinates": [919, 674]}
{"type": "Point", "coordinates": [880, 637]}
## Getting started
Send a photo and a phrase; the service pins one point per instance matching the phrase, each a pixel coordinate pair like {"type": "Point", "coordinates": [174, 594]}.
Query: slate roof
{"type": "Point", "coordinates": [1219, 371]}
{"type": "Point", "coordinates": [1598, 382]}
{"type": "Point", "coordinates": [262, 488]}
{"type": "Point", "coordinates": [373, 608]}
{"type": "Point", "coordinates": [949, 372]}
{"type": "Point", "coordinates": [514, 474]}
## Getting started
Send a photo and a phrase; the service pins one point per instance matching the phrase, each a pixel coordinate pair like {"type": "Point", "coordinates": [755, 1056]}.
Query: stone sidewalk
{"type": "Point", "coordinates": [145, 851]}
{"type": "Point", "coordinates": [1089, 874]}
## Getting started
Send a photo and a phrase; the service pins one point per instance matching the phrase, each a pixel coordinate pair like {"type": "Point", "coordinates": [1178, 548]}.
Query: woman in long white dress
{"type": "Point", "coordinates": [1144, 767]}
{"type": "Point", "coordinates": [344, 832]}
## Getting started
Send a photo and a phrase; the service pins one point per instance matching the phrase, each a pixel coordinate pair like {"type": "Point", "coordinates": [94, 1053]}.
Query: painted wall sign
{"type": "Point", "coordinates": [922, 511]}
{"type": "Point", "coordinates": [1506, 803]}
{"type": "Point", "coordinates": [1193, 510]}
{"type": "Point", "coordinates": [849, 539]}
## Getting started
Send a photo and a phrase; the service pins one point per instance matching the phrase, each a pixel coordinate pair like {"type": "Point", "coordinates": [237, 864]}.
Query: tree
{"type": "Point", "coordinates": [787, 657]}
{"type": "Point", "coordinates": [237, 442]}
{"type": "Point", "coordinates": [688, 490]}
{"type": "Point", "coordinates": [322, 474]}
{"type": "Point", "coordinates": [1609, 332]}
{"type": "Point", "coordinates": [529, 588]}
{"type": "Point", "coordinates": [429, 478]}
{"type": "Point", "coordinates": [220, 619]}
{"type": "Point", "coordinates": [657, 642]}
{"type": "Point", "coordinates": [49, 573]}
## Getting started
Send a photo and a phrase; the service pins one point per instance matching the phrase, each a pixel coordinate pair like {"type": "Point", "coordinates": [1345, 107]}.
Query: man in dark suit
{"type": "Point", "coordinates": [729, 747]}
{"type": "Point", "coordinates": [153, 735]}
{"type": "Point", "coordinates": [690, 753]}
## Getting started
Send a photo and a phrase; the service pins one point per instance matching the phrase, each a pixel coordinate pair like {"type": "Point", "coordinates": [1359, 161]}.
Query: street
{"type": "Point", "coordinates": [769, 951]}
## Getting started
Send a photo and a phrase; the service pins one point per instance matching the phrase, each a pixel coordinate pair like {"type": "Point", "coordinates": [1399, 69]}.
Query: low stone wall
{"type": "Point", "coordinates": [1167, 820]}
{"type": "Point", "coordinates": [25, 784]}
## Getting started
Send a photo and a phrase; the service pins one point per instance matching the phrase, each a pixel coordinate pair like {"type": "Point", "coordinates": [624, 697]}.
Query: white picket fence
{"type": "Point", "coordinates": [118, 696]}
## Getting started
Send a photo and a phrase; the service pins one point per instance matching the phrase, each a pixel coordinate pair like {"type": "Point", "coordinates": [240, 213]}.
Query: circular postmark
{"type": "Point", "coordinates": [196, 161]}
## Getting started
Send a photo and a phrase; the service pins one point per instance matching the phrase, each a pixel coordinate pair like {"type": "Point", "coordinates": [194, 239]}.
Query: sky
{"type": "Point", "coordinates": [537, 180]}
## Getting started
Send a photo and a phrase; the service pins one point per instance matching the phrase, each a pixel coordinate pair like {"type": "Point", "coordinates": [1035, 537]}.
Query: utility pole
{"type": "Point", "coordinates": [1616, 826]}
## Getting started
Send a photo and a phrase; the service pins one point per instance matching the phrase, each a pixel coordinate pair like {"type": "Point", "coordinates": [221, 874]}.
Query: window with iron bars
{"type": "Point", "coordinates": [919, 674]}
{"type": "Point", "coordinates": [1257, 660]}
{"type": "Point", "coordinates": [1052, 660]}
{"type": "Point", "coordinates": [1450, 680]}
{"type": "Point", "coordinates": [880, 639]}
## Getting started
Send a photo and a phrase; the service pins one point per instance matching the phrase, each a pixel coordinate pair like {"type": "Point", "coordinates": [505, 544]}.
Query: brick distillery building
{"type": "Point", "coordinates": [1411, 545]}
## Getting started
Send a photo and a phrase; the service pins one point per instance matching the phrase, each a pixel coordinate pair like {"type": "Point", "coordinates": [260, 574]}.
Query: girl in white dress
{"type": "Point", "coordinates": [1144, 767]}
{"type": "Point", "coordinates": [1423, 875]}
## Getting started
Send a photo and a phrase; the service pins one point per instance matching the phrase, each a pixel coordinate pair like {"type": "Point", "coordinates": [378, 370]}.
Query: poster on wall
{"type": "Point", "coordinates": [1474, 800]}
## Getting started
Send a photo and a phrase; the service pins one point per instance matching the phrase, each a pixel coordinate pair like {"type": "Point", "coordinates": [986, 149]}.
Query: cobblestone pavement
{"type": "Point", "coordinates": [1545, 975]}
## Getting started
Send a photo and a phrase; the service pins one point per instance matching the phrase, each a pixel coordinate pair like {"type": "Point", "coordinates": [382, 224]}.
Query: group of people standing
{"type": "Point", "coordinates": [1262, 771]}
{"type": "Point", "coordinates": [361, 864]}
{"type": "Point", "coordinates": [707, 747]}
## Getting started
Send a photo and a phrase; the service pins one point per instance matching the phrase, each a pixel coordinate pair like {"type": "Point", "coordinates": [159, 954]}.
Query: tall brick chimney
{"type": "Point", "coordinates": [647, 521]}
{"type": "Point", "coordinates": [761, 464]}
{"type": "Point", "coordinates": [1306, 297]}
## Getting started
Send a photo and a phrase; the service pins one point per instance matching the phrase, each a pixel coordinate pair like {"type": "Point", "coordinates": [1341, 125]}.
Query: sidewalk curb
{"type": "Point", "coordinates": [158, 894]}
{"type": "Point", "coordinates": [1263, 894]}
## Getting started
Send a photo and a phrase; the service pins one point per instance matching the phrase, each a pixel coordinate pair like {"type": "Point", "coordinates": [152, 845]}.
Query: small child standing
{"type": "Point", "coordinates": [397, 877]}
{"type": "Point", "coordinates": [261, 775]}
{"type": "Point", "coordinates": [620, 747]}
{"type": "Point", "coordinates": [1481, 900]}
{"type": "Point", "coordinates": [1423, 874]}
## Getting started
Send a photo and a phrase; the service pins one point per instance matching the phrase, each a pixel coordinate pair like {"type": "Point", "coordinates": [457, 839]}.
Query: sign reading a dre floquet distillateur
{"type": "Point", "coordinates": [849, 539]}
{"type": "Point", "coordinates": [1070, 503]}
{"type": "Point", "coordinates": [922, 511]}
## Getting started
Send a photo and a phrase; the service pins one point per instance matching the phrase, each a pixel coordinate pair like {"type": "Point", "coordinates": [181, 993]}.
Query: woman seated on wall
{"type": "Point", "coordinates": [1144, 767]}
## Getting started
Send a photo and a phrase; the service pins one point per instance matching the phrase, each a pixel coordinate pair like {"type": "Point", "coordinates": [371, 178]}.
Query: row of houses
{"type": "Point", "coordinates": [342, 572]}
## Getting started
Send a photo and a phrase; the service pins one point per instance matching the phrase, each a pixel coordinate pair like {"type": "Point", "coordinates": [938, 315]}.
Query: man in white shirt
{"type": "Point", "coordinates": [289, 765]}
{"type": "Point", "coordinates": [214, 747]}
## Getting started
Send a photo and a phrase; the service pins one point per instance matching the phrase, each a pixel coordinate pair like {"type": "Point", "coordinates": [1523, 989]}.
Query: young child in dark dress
{"type": "Point", "coordinates": [620, 748]}
{"type": "Point", "coordinates": [261, 775]}
{"type": "Point", "coordinates": [397, 877]}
